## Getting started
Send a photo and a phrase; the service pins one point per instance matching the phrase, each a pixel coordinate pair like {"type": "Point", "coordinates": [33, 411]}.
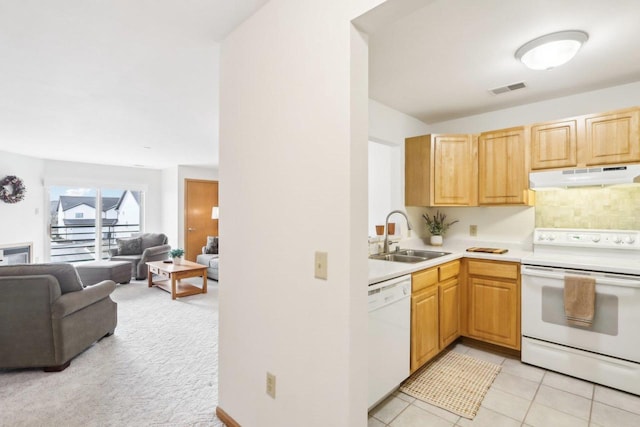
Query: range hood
{"type": "Point", "coordinates": [584, 177]}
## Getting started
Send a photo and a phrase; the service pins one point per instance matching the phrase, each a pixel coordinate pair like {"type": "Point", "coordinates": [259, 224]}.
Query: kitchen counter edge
{"type": "Point", "coordinates": [380, 271]}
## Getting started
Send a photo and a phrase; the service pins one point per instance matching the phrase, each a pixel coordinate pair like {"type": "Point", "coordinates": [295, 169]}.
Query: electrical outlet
{"type": "Point", "coordinates": [473, 230]}
{"type": "Point", "coordinates": [321, 265]}
{"type": "Point", "coordinates": [271, 385]}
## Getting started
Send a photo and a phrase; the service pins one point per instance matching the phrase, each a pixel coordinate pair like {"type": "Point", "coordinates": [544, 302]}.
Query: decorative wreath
{"type": "Point", "coordinates": [16, 186]}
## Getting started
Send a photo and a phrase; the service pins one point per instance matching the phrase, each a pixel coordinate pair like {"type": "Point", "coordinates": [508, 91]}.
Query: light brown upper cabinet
{"type": "Point", "coordinates": [612, 138]}
{"type": "Point", "coordinates": [590, 140]}
{"type": "Point", "coordinates": [441, 170]}
{"type": "Point", "coordinates": [503, 167]}
{"type": "Point", "coordinates": [554, 145]}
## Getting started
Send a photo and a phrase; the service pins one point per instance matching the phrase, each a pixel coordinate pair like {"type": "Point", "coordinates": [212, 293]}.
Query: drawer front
{"type": "Point", "coordinates": [493, 269]}
{"type": "Point", "coordinates": [449, 270]}
{"type": "Point", "coordinates": [156, 270]}
{"type": "Point", "coordinates": [423, 279]}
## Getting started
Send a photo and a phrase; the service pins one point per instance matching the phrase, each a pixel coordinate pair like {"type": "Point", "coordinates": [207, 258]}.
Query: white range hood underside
{"type": "Point", "coordinates": [585, 177]}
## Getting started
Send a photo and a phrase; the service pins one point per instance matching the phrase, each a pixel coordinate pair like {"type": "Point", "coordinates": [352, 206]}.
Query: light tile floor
{"type": "Point", "coordinates": [521, 395]}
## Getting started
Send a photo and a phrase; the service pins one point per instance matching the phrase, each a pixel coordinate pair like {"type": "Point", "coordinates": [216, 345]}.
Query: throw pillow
{"type": "Point", "coordinates": [130, 246]}
{"type": "Point", "coordinates": [212, 245]}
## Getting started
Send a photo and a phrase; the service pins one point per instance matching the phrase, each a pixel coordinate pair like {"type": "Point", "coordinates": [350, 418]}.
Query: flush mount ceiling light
{"type": "Point", "coordinates": [551, 50]}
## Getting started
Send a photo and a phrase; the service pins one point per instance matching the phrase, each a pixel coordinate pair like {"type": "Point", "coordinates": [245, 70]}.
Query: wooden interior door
{"type": "Point", "coordinates": [200, 197]}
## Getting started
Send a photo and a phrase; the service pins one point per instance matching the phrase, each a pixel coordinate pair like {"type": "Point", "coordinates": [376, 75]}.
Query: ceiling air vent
{"type": "Point", "coordinates": [508, 88]}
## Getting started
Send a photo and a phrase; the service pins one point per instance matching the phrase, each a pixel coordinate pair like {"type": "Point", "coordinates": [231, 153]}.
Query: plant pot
{"type": "Point", "coordinates": [177, 260]}
{"type": "Point", "coordinates": [436, 240]}
{"type": "Point", "coordinates": [391, 228]}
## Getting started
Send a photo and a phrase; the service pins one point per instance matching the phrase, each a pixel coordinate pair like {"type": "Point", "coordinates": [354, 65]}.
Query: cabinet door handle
{"type": "Point", "coordinates": [191, 229]}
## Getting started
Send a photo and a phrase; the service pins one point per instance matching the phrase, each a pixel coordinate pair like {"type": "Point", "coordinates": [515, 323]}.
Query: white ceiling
{"type": "Point", "coordinates": [135, 82]}
{"type": "Point", "coordinates": [120, 82]}
{"type": "Point", "coordinates": [439, 62]}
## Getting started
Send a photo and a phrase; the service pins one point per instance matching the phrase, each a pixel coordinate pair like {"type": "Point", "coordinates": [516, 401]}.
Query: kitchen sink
{"type": "Point", "coordinates": [409, 255]}
{"type": "Point", "coordinates": [422, 254]}
{"type": "Point", "coordinates": [398, 258]}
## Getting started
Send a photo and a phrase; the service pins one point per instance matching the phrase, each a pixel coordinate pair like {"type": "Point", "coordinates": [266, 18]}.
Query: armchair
{"type": "Point", "coordinates": [47, 317]}
{"type": "Point", "coordinates": [140, 249]}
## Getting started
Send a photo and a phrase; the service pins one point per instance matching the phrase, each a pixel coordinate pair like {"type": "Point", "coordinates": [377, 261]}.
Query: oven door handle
{"type": "Point", "coordinates": [560, 274]}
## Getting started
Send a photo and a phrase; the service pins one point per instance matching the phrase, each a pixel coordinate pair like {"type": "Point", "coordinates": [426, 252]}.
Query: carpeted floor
{"type": "Point", "coordinates": [158, 369]}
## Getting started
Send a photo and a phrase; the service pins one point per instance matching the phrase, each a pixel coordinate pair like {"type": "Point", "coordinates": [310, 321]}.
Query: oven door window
{"type": "Point", "coordinates": [605, 320]}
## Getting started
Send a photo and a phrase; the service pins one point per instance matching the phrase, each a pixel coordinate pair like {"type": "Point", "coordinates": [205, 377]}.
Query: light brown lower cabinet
{"type": "Point", "coordinates": [424, 327]}
{"type": "Point", "coordinates": [449, 303]}
{"type": "Point", "coordinates": [435, 318]}
{"type": "Point", "coordinates": [494, 302]}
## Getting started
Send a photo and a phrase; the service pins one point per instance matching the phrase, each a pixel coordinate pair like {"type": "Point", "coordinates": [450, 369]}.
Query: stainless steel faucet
{"type": "Point", "coordinates": [385, 248]}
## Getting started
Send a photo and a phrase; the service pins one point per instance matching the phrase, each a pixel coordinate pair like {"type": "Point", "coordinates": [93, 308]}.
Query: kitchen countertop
{"type": "Point", "coordinates": [384, 270]}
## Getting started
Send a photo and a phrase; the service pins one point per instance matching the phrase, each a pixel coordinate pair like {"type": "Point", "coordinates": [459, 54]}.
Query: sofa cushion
{"type": "Point", "coordinates": [66, 274]}
{"type": "Point", "coordinates": [129, 246]}
{"type": "Point", "coordinates": [211, 261]}
{"type": "Point", "coordinates": [150, 240]}
{"type": "Point", "coordinates": [212, 245]}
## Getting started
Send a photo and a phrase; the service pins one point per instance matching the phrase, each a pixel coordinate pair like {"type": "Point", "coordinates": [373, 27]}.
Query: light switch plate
{"type": "Point", "coordinates": [321, 265]}
{"type": "Point", "coordinates": [271, 385]}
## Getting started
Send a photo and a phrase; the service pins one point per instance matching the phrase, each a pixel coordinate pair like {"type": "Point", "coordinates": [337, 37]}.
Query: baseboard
{"type": "Point", "coordinates": [481, 345]}
{"type": "Point", "coordinates": [226, 418]}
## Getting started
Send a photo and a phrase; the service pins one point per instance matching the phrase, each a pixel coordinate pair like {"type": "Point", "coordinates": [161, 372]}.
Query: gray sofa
{"type": "Point", "coordinates": [140, 249]}
{"type": "Point", "coordinates": [209, 257]}
{"type": "Point", "coordinates": [211, 261]}
{"type": "Point", "coordinates": [47, 317]}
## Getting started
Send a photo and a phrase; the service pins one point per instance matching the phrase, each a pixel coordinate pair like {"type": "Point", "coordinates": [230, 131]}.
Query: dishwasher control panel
{"type": "Point", "coordinates": [388, 292]}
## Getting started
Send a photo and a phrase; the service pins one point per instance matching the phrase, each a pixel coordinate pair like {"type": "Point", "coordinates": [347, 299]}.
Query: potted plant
{"type": "Point", "coordinates": [176, 255]}
{"type": "Point", "coordinates": [437, 226]}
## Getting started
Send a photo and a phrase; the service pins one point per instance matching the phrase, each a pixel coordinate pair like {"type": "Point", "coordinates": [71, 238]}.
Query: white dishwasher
{"type": "Point", "coordinates": [389, 336]}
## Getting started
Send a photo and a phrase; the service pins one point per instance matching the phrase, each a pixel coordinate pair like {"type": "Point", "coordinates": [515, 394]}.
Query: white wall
{"type": "Point", "coordinates": [507, 224]}
{"type": "Point", "coordinates": [169, 205]}
{"type": "Point", "coordinates": [386, 182]}
{"type": "Point", "coordinates": [391, 126]}
{"type": "Point", "coordinates": [388, 129]}
{"type": "Point", "coordinates": [598, 101]}
{"type": "Point", "coordinates": [24, 221]}
{"type": "Point", "coordinates": [293, 163]}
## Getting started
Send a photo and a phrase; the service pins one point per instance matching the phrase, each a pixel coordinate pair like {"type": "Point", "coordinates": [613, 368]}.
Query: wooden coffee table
{"type": "Point", "coordinates": [171, 276]}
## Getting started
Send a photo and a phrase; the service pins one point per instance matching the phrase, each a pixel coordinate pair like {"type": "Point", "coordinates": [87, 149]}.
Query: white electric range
{"type": "Point", "coordinates": [608, 351]}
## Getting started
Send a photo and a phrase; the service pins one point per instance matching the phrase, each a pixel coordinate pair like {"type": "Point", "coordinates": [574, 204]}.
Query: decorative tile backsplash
{"type": "Point", "coordinates": [606, 208]}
